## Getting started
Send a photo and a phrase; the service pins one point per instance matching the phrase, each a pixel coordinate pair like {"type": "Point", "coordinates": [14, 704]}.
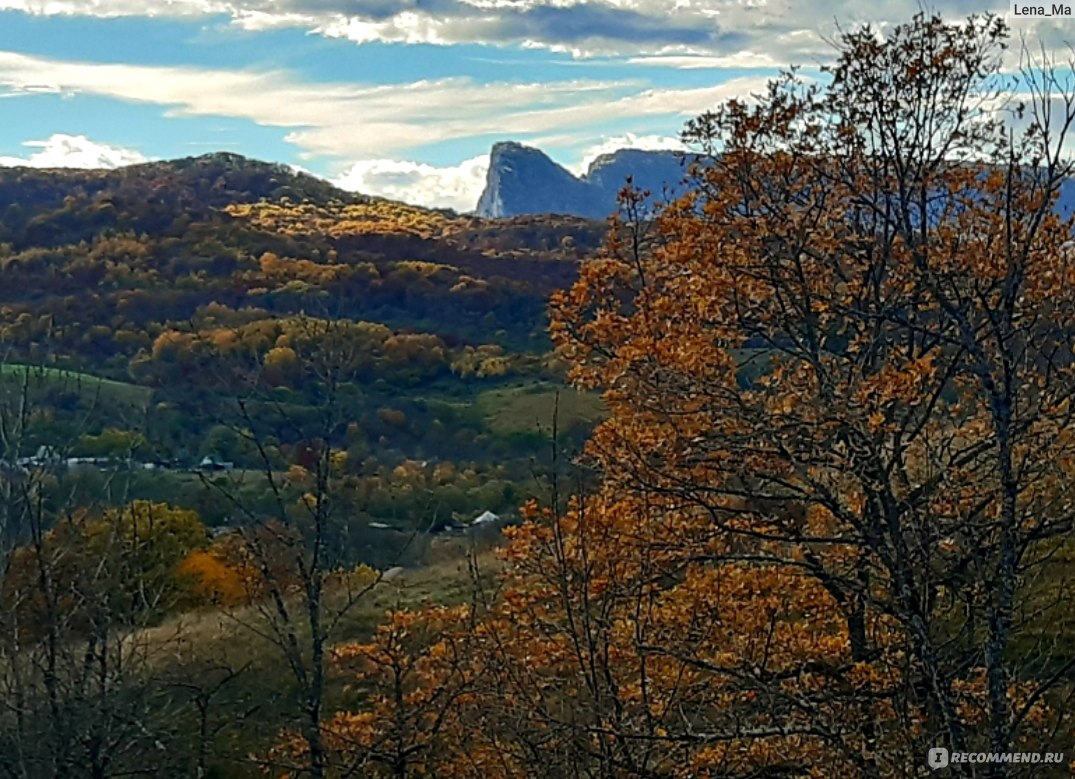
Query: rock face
{"type": "Point", "coordinates": [653, 171]}
{"type": "Point", "coordinates": [523, 180]}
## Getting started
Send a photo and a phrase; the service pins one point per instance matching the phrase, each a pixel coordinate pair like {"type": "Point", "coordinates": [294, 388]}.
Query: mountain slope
{"type": "Point", "coordinates": [209, 180]}
{"type": "Point", "coordinates": [51, 207]}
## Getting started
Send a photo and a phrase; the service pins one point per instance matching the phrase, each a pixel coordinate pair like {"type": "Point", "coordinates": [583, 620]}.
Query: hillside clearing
{"type": "Point", "coordinates": [86, 385]}
{"type": "Point", "coordinates": [532, 407]}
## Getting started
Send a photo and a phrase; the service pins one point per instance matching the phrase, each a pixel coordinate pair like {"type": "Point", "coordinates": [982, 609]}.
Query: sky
{"type": "Point", "coordinates": [400, 98]}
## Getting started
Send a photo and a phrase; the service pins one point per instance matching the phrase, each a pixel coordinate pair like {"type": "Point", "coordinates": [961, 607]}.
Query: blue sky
{"type": "Point", "coordinates": [396, 97]}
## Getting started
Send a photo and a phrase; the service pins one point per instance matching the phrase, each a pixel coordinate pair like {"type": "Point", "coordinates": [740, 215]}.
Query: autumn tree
{"type": "Point", "coordinates": [141, 546]}
{"type": "Point", "coordinates": [79, 594]}
{"type": "Point", "coordinates": [86, 577]}
{"type": "Point", "coordinates": [836, 513]}
{"type": "Point", "coordinates": [291, 545]}
{"type": "Point", "coordinates": [416, 679]}
{"type": "Point", "coordinates": [632, 640]}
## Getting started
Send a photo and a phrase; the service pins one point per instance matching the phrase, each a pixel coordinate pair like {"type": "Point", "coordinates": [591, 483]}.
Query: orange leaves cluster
{"type": "Point", "coordinates": [415, 679]}
{"type": "Point", "coordinates": [335, 220]}
{"type": "Point", "coordinates": [661, 642]}
{"type": "Point", "coordinates": [902, 383]}
{"type": "Point", "coordinates": [215, 580]}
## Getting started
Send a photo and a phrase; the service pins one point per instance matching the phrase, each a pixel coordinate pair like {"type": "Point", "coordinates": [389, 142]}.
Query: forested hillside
{"type": "Point", "coordinates": [162, 292]}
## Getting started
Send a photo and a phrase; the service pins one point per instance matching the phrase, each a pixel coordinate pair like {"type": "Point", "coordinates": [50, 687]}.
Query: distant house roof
{"type": "Point", "coordinates": [211, 462]}
{"type": "Point", "coordinates": [485, 517]}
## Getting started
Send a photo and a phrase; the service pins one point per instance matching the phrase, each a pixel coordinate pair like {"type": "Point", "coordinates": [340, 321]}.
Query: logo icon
{"type": "Point", "coordinates": [938, 758]}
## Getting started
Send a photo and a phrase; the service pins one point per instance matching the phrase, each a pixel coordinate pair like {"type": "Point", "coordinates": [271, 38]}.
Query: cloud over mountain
{"type": "Point", "coordinates": [453, 186]}
{"type": "Point", "coordinates": [73, 151]}
{"type": "Point", "coordinates": [397, 120]}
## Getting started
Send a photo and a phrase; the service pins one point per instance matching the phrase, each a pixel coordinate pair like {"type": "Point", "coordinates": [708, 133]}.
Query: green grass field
{"type": "Point", "coordinates": [532, 407]}
{"type": "Point", "coordinates": [87, 385]}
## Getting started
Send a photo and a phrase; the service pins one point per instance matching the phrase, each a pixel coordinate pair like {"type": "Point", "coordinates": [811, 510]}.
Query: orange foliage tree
{"type": "Point", "coordinates": [416, 679]}
{"type": "Point", "coordinates": [838, 458]}
{"type": "Point", "coordinates": [219, 575]}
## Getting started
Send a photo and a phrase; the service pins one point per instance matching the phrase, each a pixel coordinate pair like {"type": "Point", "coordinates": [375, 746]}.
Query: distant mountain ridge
{"type": "Point", "coordinates": [524, 180]}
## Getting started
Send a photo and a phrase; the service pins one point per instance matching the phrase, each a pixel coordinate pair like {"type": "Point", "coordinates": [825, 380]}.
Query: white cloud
{"type": "Point", "coordinates": [73, 151]}
{"type": "Point", "coordinates": [254, 20]}
{"type": "Point", "coordinates": [687, 34]}
{"type": "Point", "coordinates": [724, 33]}
{"type": "Point", "coordinates": [627, 141]}
{"type": "Point", "coordinates": [112, 8]}
{"type": "Point", "coordinates": [456, 186]}
{"type": "Point", "coordinates": [361, 121]}
{"type": "Point", "coordinates": [742, 59]}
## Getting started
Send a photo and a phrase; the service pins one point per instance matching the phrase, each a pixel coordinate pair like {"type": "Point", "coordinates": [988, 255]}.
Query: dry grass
{"type": "Point", "coordinates": [231, 637]}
